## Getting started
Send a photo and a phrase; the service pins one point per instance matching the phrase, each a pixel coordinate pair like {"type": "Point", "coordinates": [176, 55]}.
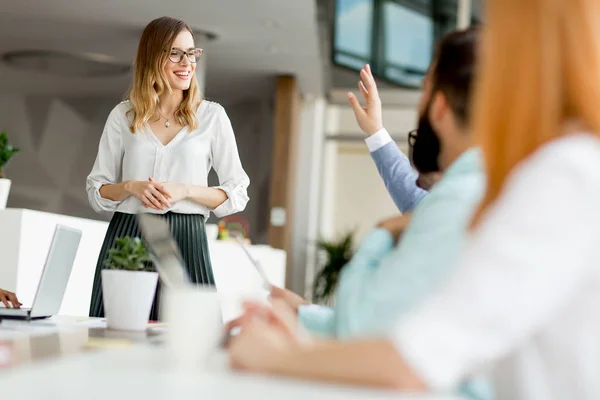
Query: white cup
{"type": "Point", "coordinates": [194, 325]}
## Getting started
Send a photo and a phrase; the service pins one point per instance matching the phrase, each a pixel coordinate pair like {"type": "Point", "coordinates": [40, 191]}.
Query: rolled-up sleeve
{"type": "Point", "coordinates": [226, 161]}
{"type": "Point", "coordinates": [107, 167]}
{"type": "Point", "coordinates": [319, 320]}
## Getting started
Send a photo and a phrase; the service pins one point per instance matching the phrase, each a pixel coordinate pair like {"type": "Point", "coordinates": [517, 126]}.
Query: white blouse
{"type": "Point", "coordinates": [188, 158]}
{"type": "Point", "coordinates": [526, 298]}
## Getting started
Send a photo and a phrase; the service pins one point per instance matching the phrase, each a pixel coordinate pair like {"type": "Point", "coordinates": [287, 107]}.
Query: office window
{"type": "Point", "coordinates": [396, 37]}
{"type": "Point", "coordinates": [354, 32]}
{"type": "Point", "coordinates": [408, 38]}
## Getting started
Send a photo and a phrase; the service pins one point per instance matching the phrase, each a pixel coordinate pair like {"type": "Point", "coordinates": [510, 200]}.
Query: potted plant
{"type": "Point", "coordinates": [6, 153]}
{"type": "Point", "coordinates": [338, 254]}
{"type": "Point", "coordinates": [128, 285]}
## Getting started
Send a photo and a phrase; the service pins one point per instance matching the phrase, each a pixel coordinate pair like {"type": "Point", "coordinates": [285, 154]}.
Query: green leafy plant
{"type": "Point", "coordinates": [6, 152]}
{"type": "Point", "coordinates": [129, 254]}
{"type": "Point", "coordinates": [338, 255]}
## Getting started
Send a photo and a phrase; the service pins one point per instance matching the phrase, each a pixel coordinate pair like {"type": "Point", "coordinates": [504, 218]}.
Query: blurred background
{"type": "Point", "coordinates": [281, 69]}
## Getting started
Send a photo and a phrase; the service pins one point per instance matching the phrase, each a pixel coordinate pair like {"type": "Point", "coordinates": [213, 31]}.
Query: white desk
{"type": "Point", "coordinates": [142, 371]}
{"type": "Point", "coordinates": [25, 238]}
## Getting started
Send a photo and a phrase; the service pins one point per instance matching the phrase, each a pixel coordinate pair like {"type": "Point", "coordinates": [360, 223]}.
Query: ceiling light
{"type": "Point", "coordinates": [60, 63]}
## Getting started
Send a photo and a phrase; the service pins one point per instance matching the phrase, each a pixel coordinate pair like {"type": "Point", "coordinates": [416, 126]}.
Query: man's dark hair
{"type": "Point", "coordinates": [453, 70]}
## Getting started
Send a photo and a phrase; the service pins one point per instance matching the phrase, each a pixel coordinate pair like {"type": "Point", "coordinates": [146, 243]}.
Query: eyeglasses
{"type": "Point", "coordinates": [412, 137]}
{"type": "Point", "coordinates": [193, 55]}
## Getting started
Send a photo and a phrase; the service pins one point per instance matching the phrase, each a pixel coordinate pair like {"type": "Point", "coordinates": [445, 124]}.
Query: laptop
{"type": "Point", "coordinates": [166, 255]}
{"type": "Point", "coordinates": [164, 251]}
{"type": "Point", "coordinates": [55, 276]}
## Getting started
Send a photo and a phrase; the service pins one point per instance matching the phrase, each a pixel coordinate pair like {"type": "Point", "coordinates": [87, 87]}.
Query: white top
{"type": "Point", "coordinates": [526, 297]}
{"type": "Point", "coordinates": [378, 140]}
{"type": "Point", "coordinates": [188, 158]}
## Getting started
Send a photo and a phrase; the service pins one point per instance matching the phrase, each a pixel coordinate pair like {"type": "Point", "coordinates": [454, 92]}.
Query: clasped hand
{"type": "Point", "coordinates": [156, 195]}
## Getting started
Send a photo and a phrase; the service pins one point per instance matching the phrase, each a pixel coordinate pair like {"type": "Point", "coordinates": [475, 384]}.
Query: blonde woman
{"type": "Point", "coordinates": [525, 298]}
{"type": "Point", "coordinates": [157, 149]}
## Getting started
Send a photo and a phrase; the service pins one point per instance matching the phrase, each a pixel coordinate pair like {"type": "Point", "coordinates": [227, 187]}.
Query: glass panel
{"type": "Point", "coordinates": [477, 12]}
{"type": "Point", "coordinates": [408, 39]}
{"type": "Point", "coordinates": [445, 14]}
{"type": "Point", "coordinates": [354, 28]}
{"type": "Point", "coordinates": [396, 37]}
{"type": "Point", "coordinates": [350, 61]}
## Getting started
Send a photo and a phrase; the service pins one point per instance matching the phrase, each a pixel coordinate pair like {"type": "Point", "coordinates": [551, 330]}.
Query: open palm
{"type": "Point", "coordinates": [369, 118]}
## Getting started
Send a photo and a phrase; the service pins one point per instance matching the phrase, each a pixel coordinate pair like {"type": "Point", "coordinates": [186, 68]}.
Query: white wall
{"type": "Point", "coordinates": [354, 196]}
{"type": "Point", "coordinates": [361, 199]}
{"type": "Point", "coordinates": [59, 136]}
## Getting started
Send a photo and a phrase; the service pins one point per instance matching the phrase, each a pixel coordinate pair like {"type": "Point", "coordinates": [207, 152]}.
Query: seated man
{"type": "Point", "coordinates": [9, 299]}
{"type": "Point", "coordinates": [383, 281]}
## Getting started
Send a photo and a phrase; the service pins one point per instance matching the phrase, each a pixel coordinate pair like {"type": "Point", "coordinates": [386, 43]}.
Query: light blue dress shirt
{"type": "Point", "coordinates": [382, 282]}
{"type": "Point", "coordinates": [399, 177]}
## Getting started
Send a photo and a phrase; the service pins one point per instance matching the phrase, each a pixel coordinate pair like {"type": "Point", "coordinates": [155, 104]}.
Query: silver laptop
{"type": "Point", "coordinates": [166, 255]}
{"type": "Point", "coordinates": [55, 276]}
{"type": "Point", "coordinates": [163, 250]}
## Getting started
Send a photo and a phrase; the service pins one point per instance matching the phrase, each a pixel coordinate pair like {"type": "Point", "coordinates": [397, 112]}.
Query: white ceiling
{"type": "Point", "coordinates": [257, 39]}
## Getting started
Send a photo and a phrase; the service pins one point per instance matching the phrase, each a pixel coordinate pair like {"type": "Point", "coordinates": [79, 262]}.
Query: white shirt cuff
{"type": "Point", "coordinates": [378, 140]}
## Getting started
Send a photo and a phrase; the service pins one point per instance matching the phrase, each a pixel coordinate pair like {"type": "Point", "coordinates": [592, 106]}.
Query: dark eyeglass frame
{"type": "Point", "coordinates": [412, 137]}
{"type": "Point", "coordinates": [188, 53]}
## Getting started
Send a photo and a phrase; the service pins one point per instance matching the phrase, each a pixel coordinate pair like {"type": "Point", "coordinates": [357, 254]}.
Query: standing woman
{"type": "Point", "coordinates": [157, 149]}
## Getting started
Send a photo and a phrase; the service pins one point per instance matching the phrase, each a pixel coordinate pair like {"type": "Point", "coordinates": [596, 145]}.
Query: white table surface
{"type": "Point", "coordinates": [143, 371]}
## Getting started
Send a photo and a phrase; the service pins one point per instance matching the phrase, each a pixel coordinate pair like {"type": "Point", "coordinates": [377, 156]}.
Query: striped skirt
{"type": "Point", "coordinates": [188, 231]}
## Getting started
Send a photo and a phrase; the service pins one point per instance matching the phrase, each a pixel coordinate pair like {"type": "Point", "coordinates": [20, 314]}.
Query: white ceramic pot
{"type": "Point", "coordinates": [128, 297]}
{"type": "Point", "coordinates": [212, 231]}
{"type": "Point", "coordinates": [4, 190]}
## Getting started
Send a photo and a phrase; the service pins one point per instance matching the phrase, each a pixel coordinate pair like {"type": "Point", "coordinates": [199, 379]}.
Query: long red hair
{"type": "Point", "coordinates": [539, 66]}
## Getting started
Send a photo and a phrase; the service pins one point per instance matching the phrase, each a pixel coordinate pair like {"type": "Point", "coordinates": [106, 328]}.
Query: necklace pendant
{"type": "Point", "coordinates": [167, 124]}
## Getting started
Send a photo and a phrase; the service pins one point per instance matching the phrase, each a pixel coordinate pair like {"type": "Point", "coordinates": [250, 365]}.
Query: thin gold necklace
{"type": "Point", "coordinates": [167, 123]}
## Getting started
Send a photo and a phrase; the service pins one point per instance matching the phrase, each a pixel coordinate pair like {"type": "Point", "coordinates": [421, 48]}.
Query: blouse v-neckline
{"type": "Point", "coordinates": [160, 144]}
{"type": "Point", "coordinates": [175, 138]}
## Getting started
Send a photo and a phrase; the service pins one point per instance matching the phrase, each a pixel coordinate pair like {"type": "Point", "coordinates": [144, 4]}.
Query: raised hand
{"type": "Point", "coordinates": [369, 118]}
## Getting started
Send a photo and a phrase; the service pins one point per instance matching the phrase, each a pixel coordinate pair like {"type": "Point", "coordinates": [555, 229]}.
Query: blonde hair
{"type": "Point", "coordinates": [540, 65]}
{"type": "Point", "coordinates": [150, 81]}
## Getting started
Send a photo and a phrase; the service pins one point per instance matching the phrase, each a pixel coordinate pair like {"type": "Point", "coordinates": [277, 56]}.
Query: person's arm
{"type": "Point", "coordinates": [371, 362]}
{"type": "Point", "coordinates": [533, 251]}
{"type": "Point", "coordinates": [395, 169]}
{"type": "Point", "coordinates": [399, 177]}
{"type": "Point", "coordinates": [208, 196]}
{"type": "Point", "coordinates": [231, 195]}
{"type": "Point", "coordinates": [104, 187]}
{"type": "Point", "coordinates": [263, 347]}
{"type": "Point", "coordinates": [375, 297]}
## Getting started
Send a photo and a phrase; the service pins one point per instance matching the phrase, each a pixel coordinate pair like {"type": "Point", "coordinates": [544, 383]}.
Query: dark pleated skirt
{"type": "Point", "coordinates": [188, 231]}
